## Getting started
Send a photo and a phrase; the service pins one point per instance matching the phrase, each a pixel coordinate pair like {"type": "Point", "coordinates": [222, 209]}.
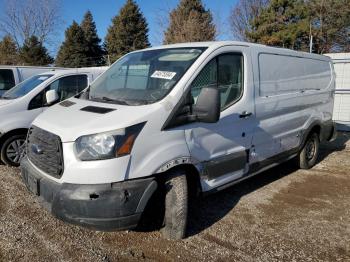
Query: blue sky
{"type": "Point", "coordinates": [104, 10]}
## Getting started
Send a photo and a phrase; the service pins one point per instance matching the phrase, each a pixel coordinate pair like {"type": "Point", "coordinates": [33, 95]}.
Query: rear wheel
{"type": "Point", "coordinates": [13, 150]}
{"type": "Point", "coordinates": [176, 205]}
{"type": "Point", "coordinates": [309, 153]}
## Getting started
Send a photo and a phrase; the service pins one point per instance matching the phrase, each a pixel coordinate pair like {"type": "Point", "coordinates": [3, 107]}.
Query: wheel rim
{"type": "Point", "coordinates": [310, 149]}
{"type": "Point", "coordinates": [16, 150]}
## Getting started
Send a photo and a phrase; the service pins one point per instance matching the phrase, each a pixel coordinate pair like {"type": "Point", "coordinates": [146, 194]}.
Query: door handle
{"type": "Point", "coordinates": [245, 114]}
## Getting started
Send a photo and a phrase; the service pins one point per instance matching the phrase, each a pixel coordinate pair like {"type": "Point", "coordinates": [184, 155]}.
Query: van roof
{"type": "Point", "coordinates": [76, 71]}
{"type": "Point", "coordinates": [29, 67]}
{"type": "Point", "coordinates": [50, 68]}
{"type": "Point", "coordinates": [216, 44]}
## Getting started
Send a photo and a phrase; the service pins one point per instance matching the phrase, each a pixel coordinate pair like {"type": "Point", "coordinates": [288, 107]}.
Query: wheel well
{"type": "Point", "coordinates": [315, 129]}
{"type": "Point", "coordinates": [19, 131]}
{"type": "Point", "coordinates": [153, 215]}
{"type": "Point", "coordinates": [193, 178]}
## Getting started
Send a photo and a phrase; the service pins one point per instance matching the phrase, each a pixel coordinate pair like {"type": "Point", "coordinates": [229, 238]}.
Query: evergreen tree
{"type": "Point", "coordinates": [95, 51]}
{"type": "Point", "coordinates": [283, 23]}
{"type": "Point", "coordinates": [190, 22]}
{"type": "Point", "coordinates": [33, 53]}
{"type": "Point", "coordinates": [288, 23]}
{"type": "Point", "coordinates": [128, 32]}
{"type": "Point", "coordinates": [73, 51]}
{"type": "Point", "coordinates": [8, 51]}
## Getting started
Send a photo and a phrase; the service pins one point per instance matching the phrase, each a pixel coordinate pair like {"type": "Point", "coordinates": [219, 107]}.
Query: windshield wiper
{"type": "Point", "coordinates": [107, 99]}
{"type": "Point", "coordinates": [121, 102]}
{"type": "Point", "coordinates": [6, 97]}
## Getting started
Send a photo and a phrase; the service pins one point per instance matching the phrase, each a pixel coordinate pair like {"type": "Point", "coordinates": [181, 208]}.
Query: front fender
{"type": "Point", "coordinates": [159, 152]}
{"type": "Point", "coordinates": [18, 119]}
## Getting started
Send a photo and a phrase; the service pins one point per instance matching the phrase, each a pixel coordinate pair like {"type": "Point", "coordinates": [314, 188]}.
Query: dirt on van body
{"type": "Point", "coordinates": [283, 214]}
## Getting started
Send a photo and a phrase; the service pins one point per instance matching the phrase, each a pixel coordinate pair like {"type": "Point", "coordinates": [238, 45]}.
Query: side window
{"type": "Point", "coordinates": [208, 77]}
{"type": "Point", "coordinates": [7, 79]}
{"type": "Point", "coordinates": [69, 86]}
{"type": "Point", "coordinates": [224, 72]}
{"type": "Point", "coordinates": [230, 80]}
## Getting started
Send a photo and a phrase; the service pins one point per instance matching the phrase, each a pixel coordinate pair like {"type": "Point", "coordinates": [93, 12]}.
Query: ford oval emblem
{"type": "Point", "coordinates": [37, 150]}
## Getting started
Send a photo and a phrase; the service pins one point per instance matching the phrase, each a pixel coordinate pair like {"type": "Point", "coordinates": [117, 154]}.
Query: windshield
{"type": "Point", "coordinates": [143, 77]}
{"type": "Point", "coordinates": [25, 87]}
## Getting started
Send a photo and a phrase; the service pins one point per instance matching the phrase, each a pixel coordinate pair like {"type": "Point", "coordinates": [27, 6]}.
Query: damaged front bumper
{"type": "Point", "coordinates": [116, 206]}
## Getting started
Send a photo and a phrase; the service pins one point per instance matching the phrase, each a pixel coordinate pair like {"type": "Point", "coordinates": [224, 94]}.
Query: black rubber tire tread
{"type": "Point", "coordinates": [303, 163]}
{"type": "Point", "coordinates": [8, 141]}
{"type": "Point", "coordinates": [176, 205]}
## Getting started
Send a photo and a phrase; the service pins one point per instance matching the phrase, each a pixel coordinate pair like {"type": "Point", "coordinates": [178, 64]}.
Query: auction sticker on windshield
{"type": "Point", "coordinates": [163, 75]}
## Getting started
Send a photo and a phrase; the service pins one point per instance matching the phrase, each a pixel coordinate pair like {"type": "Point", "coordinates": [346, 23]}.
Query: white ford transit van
{"type": "Point", "coordinates": [178, 119]}
{"type": "Point", "coordinates": [13, 75]}
{"type": "Point", "coordinates": [22, 104]}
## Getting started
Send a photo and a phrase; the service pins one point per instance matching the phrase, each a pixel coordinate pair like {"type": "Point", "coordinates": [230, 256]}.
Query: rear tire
{"type": "Point", "coordinates": [13, 150]}
{"type": "Point", "coordinates": [309, 153]}
{"type": "Point", "coordinates": [176, 205]}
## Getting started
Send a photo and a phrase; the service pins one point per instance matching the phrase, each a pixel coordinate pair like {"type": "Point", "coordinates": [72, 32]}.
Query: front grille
{"type": "Point", "coordinates": [44, 150]}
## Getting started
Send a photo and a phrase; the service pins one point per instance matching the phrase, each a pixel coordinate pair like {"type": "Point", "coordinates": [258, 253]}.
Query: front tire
{"type": "Point", "coordinates": [309, 153]}
{"type": "Point", "coordinates": [176, 205]}
{"type": "Point", "coordinates": [13, 150]}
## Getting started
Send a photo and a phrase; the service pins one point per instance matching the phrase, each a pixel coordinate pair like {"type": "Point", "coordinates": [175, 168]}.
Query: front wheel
{"type": "Point", "coordinates": [13, 150]}
{"type": "Point", "coordinates": [309, 153]}
{"type": "Point", "coordinates": [176, 205]}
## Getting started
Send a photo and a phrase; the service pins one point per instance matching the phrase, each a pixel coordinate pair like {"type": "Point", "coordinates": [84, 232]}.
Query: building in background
{"type": "Point", "coordinates": [341, 112]}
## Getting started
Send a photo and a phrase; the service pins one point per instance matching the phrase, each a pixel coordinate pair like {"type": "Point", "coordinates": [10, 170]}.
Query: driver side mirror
{"type": "Point", "coordinates": [207, 107]}
{"type": "Point", "coordinates": [51, 97]}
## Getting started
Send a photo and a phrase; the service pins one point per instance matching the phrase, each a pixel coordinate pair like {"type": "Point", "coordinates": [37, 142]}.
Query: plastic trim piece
{"type": "Point", "coordinates": [173, 163]}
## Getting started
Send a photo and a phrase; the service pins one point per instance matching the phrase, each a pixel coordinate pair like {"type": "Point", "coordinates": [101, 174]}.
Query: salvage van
{"type": "Point", "coordinates": [22, 104]}
{"type": "Point", "coordinates": [179, 119]}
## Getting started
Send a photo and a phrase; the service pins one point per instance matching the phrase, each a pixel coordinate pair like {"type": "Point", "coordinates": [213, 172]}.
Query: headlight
{"type": "Point", "coordinates": [107, 145]}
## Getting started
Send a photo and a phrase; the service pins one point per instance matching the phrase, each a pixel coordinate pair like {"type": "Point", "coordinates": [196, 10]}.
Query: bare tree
{"type": "Point", "coordinates": [161, 18]}
{"type": "Point", "coordinates": [242, 14]}
{"type": "Point", "coordinates": [221, 24]}
{"type": "Point", "coordinates": [25, 18]}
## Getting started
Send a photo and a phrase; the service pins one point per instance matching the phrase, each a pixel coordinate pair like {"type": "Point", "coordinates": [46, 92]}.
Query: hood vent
{"type": "Point", "coordinates": [97, 110]}
{"type": "Point", "coordinates": [67, 103]}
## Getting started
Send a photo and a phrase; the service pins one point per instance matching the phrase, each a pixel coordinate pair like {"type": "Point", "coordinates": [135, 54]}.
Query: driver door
{"type": "Point", "coordinates": [222, 148]}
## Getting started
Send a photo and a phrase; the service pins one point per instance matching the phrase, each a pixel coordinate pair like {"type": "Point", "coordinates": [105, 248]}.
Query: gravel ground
{"type": "Point", "coordinates": [283, 214]}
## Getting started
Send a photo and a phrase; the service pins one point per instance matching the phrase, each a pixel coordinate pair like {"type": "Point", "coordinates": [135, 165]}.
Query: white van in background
{"type": "Point", "coordinates": [177, 119]}
{"type": "Point", "coordinates": [23, 103]}
{"type": "Point", "coordinates": [13, 75]}
{"type": "Point", "coordinates": [341, 113]}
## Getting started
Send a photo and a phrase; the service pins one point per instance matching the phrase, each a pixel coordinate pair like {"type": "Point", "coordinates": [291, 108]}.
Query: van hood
{"type": "Point", "coordinates": [4, 102]}
{"type": "Point", "coordinates": [76, 117]}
